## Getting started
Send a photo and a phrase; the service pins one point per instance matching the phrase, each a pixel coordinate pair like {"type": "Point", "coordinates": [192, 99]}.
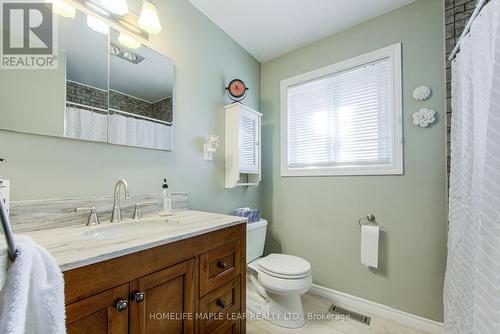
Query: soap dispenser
{"type": "Point", "coordinates": [167, 200]}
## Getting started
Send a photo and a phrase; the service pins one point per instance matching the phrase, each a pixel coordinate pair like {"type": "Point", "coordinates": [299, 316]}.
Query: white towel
{"type": "Point", "coordinates": [32, 297]}
{"type": "Point", "coordinates": [369, 245]}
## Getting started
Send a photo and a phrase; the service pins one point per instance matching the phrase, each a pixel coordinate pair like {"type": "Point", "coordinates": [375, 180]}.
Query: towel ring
{"type": "Point", "coordinates": [370, 219]}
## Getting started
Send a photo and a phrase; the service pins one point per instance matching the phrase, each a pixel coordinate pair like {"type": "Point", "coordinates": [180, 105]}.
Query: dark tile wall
{"type": "Point", "coordinates": [158, 110]}
{"type": "Point", "coordinates": [161, 110]}
{"type": "Point", "coordinates": [457, 13]}
{"type": "Point", "coordinates": [86, 95]}
{"type": "Point", "coordinates": [128, 103]}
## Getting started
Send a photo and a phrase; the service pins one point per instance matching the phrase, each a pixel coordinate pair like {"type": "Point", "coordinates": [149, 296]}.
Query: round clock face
{"type": "Point", "coordinates": [237, 88]}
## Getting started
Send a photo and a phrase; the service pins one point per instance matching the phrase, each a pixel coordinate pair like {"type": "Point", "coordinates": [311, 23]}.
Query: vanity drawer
{"type": "Point", "coordinates": [219, 266]}
{"type": "Point", "coordinates": [220, 307]}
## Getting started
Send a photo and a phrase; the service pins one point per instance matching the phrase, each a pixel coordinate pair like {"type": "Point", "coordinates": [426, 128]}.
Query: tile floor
{"type": "Point", "coordinates": [318, 305]}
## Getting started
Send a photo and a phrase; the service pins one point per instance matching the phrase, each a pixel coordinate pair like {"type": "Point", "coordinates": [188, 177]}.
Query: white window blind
{"type": "Point", "coordinates": [343, 122]}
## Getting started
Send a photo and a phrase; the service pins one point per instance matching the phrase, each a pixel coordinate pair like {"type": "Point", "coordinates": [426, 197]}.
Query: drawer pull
{"type": "Point", "coordinates": [121, 305]}
{"type": "Point", "coordinates": [221, 303]}
{"type": "Point", "coordinates": [139, 296]}
{"type": "Point", "coordinates": [222, 264]}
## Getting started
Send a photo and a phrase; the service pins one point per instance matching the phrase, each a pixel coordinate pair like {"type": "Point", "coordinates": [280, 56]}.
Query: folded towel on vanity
{"type": "Point", "coordinates": [32, 295]}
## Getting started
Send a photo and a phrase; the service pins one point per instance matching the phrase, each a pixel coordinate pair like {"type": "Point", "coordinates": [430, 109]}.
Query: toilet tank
{"type": "Point", "coordinates": [256, 237]}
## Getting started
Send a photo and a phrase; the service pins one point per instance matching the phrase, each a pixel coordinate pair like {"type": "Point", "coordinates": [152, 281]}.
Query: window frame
{"type": "Point", "coordinates": [393, 53]}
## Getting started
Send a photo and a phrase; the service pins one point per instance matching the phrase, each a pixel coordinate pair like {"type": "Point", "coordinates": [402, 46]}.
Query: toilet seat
{"type": "Point", "coordinates": [285, 286]}
{"type": "Point", "coordinates": [284, 266]}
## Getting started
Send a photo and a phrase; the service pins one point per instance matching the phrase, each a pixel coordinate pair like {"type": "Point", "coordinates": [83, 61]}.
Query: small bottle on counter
{"type": "Point", "coordinates": [167, 200]}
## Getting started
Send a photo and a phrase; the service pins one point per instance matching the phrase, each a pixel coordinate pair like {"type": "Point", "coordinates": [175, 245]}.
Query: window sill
{"type": "Point", "coordinates": [343, 171]}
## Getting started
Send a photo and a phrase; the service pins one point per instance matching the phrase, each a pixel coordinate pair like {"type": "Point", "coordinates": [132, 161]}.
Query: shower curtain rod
{"type": "Point", "coordinates": [475, 13]}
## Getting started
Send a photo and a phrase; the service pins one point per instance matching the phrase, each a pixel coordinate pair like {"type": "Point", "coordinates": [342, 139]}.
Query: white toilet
{"type": "Point", "coordinates": [275, 282]}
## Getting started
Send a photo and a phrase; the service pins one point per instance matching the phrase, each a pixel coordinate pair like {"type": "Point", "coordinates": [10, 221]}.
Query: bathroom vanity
{"type": "Point", "coordinates": [184, 274]}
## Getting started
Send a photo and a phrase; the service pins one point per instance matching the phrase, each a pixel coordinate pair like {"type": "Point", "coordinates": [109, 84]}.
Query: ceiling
{"type": "Point", "coordinates": [270, 28]}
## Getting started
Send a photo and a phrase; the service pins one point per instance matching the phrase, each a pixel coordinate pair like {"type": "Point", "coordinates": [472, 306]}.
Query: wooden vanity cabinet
{"type": "Point", "coordinates": [196, 285]}
{"type": "Point", "coordinates": [98, 314]}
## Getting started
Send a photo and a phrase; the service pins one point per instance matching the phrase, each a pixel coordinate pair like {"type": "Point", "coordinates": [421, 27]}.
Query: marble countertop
{"type": "Point", "coordinates": [77, 246]}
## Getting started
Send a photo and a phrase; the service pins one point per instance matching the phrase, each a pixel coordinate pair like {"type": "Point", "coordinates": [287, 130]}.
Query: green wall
{"type": "Point", "coordinates": [316, 217]}
{"type": "Point", "coordinates": [206, 59]}
{"type": "Point", "coordinates": [24, 114]}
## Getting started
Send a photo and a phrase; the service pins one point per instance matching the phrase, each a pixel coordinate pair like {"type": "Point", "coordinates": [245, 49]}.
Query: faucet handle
{"type": "Point", "coordinates": [93, 219]}
{"type": "Point", "coordinates": [137, 209]}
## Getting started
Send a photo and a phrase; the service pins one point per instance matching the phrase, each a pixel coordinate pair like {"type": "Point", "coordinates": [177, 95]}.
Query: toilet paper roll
{"type": "Point", "coordinates": [369, 245]}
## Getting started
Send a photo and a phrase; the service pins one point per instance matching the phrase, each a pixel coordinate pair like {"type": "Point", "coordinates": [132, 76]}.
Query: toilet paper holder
{"type": "Point", "coordinates": [369, 219]}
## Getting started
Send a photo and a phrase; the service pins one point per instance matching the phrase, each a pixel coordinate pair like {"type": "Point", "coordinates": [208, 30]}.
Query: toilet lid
{"type": "Point", "coordinates": [285, 266]}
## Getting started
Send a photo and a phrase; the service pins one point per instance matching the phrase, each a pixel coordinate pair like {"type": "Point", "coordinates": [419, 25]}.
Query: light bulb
{"type": "Point", "coordinates": [62, 8]}
{"type": "Point", "coordinates": [97, 25]}
{"type": "Point", "coordinates": [128, 41]}
{"type": "Point", "coordinates": [148, 20]}
{"type": "Point", "coordinates": [118, 7]}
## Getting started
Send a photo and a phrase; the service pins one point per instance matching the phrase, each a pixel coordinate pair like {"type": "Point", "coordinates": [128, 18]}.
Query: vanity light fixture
{"type": "Point", "coordinates": [97, 25]}
{"type": "Point", "coordinates": [211, 147]}
{"type": "Point", "coordinates": [62, 8]}
{"type": "Point", "coordinates": [128, 41]}
{"type": "Point", "coordinates": [118, 7]}
{"type": "Point", "coordinates": [98, 10]}
{"type": "Point", "coordinates": [148, 20]}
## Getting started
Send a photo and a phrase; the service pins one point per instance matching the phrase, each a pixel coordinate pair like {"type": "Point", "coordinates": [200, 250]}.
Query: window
{"type": "Point", "coordinates": [344, 119]}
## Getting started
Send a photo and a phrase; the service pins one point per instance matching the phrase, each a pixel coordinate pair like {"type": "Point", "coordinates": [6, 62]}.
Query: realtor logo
{"type": "Point", "coordinates": [28, 35]}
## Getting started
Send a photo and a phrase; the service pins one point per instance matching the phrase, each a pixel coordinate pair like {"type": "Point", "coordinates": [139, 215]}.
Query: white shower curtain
{"type": "Point", "coordinates": [472, 284]}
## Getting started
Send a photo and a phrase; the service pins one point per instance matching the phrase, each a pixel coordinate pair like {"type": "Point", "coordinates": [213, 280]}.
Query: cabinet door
{"type": "Point", "coordinates": [249, 153]}
{"type": "Point", "coordinates": [104, 313]}
{"type": "Point", "coordinates": [163, 302]}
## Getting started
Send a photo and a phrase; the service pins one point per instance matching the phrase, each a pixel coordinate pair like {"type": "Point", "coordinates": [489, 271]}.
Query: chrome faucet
{"type": "Point", "coordinates": [116, 215]}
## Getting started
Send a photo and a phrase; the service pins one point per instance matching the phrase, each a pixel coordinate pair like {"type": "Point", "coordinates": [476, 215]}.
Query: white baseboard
{"type": "Point", "coordinates": [366, 306]}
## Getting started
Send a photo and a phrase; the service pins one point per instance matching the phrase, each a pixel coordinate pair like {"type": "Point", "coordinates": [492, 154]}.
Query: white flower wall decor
{"type": "Point", "coordinates": [424, 117]}
{"type": "Point", "coordinates": [422, 93]}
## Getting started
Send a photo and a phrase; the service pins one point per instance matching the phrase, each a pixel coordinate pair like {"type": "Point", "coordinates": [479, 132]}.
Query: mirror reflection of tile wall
{"type": "Point", "coordinates": [102, 91]}
{"type": "Point", "coordinates": [161, 110]}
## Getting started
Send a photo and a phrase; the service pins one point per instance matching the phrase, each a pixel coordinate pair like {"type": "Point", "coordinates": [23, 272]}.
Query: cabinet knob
{"type": "Point", "coordinates": [139, 296]}
{"type": "Point", "coordinates": [221, 303]}
{"type": "Point", "coordinates": [121, 305]}
{"type": "Point", "coordinates": [222, 264]}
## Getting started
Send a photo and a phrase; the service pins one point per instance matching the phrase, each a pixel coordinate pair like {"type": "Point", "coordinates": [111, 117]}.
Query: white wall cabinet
{"type": "Point", "coordinates": [243, 149]}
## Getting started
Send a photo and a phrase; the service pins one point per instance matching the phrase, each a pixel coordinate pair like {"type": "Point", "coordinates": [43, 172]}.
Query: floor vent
{"type": "Point", "coordinates": [364, 319]}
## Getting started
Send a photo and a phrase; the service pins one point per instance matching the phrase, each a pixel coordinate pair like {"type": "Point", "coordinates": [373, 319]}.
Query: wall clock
{"type": "Point", "coordinates": [237, 90]}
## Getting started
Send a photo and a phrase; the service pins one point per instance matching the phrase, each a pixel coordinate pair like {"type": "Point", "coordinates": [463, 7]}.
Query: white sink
{"type": "Point", "coordinates": [126, 229]}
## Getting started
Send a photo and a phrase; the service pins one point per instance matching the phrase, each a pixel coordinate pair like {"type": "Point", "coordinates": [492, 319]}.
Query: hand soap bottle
{"type": "Point", "coordinates": [167, 200]}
